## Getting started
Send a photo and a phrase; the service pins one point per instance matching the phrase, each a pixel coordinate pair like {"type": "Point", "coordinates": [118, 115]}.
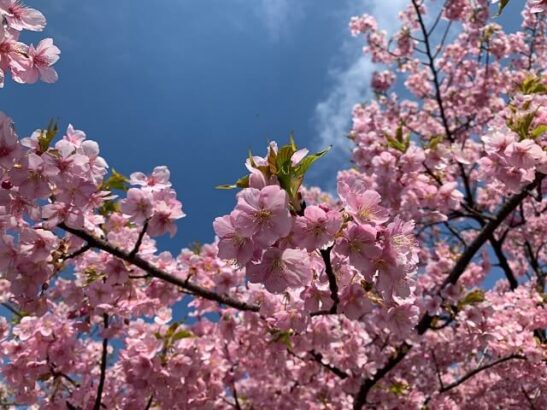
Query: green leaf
{"type": "Point", "coordinates": [196, 247]}
{"type": "Point", "coordinates": [282, 336]}
{"type": "Point", "coordinates": [400, 142]}
{"type": "Point", "coordinates": [116, 181]}
{"type": "Point", "coordinates": [539, 130]}
{"type": "Point", "coordinates": [435, 141]}
{"type": "Point", "coordinates": [292, 142]}
{"type": "Point", "coordinates": [182, 334]}
{"type": "Point", "coordinates": [521, 125]}
{"type": "Point", "coordinates": [472, 298]}
{"type": "Point", "coordinates": [399, 134]}
{"type": "Point", "coordinates": [398, 388]}
{"type": "Point", "coordinates": [502, 5]}
{"type": "Point", "coordinates": [109, 207]}
{"type": "Point", "coordinates": [47, 135]}
{"type": "Point", "coordinates": [399, 146]}
{"type": "Point", "coordinates": [242, 182]}
{"type": "Point", "coordinates": [172, 329]}
{"type": "Point", "coordinates": [306, 162]}
{"type": "Point", "coordinates": [533, 85]}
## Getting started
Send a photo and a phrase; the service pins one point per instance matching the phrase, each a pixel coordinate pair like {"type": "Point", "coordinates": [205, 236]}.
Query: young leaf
{"type": "Point", "coordinates": [472, 298]}
{"type": "Point", "coordinates": [539, 130]}
{"type": "Point", "coordinates": [47, 135]}
{"type": "Point", "coordinates": [242, 182]}
{"type": "Point", "coordinates": [307, 162]}
{"type": "Point", "coordinates": [502, 5]}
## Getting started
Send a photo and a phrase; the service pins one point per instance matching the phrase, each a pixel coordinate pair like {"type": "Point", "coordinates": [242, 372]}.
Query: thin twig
{"type": "Point", "coordinates": [139, 240]}
{"type": "Point", "coordinates": [478, 370]}
{"type": "Point", "coordinates": [12, 309]}
{"type": "Point", "coordinates": [80, 251]}
{"type": "Point", "coordinates": [102, 378]}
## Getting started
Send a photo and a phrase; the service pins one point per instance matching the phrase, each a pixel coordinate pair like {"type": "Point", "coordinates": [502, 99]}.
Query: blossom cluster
{"type": "Point", "coordinates": [25, 63]}
{"type": "Point", "coordinates": [285, 246]}
{"type": "Point", "coordinates": [419, 284]}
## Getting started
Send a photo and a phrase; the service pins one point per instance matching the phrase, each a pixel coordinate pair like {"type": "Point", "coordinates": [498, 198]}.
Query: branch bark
{"type": "Point", "coordinates": [102, 378]}
{"type": "Point", "coordinates": [333, 286]}
{"type": "Point", "coordinates": [158, 273]}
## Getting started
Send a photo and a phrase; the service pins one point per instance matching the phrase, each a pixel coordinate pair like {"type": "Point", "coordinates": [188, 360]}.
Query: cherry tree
{"type": "Point", "coordinates": [373, 297]}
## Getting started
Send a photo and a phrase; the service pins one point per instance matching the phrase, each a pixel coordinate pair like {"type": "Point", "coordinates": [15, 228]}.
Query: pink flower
{"type": "Point", "coordinates": [381, 81]}
{"type": "Point", "coordinates": [157, 181]}
{"type": "Point", "coordinates": [316, 228]}
{"type": "Point", "coordinates": [359, 244]}
{"type": "Point", "coordinates": [38, 243]}
{"type": "Point", "coordinates": [8, 141]}
{"type": "Point", "coordinates": [401, 319]}
{"type": "Point", "coordinates": [281, 269]}
{"type": "Point", "coordinates": [74, 136]}
{"type": "Point", "coordinates": [524, 154]}
{"type": "Point", "coordinates": [164, 217]}
{"type": "Point", "coordinates": [232, 244]}
{"type": "Point", "coordinates": [365, 207]}
{"type": "Point", "coordinates": [137, 204]}
{"type": "Point", "coordinates": [354, 302]}
{"type": "Point", "coordinates": [32, 177]}
{"type": "Point", "coordinates": [263, 214]}
{"type": "Point", "coordinates": [39, 64]}
{"type": "Point", "coordinates": [449, 196]}
{"type": "Point", "coordinates": [538, 6]}
{"type": "Point", "coordinates": [20, 17]}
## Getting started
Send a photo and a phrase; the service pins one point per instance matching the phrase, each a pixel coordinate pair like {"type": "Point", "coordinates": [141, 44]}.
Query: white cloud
{"type": "Point", "coordinates": [386, 12]}
{"type": "Point", "coordinates": [351, 78]}
{"type": "Point", "coordinates": [278, 15]}
{"type": "Point", "coordinates": [333, 114]}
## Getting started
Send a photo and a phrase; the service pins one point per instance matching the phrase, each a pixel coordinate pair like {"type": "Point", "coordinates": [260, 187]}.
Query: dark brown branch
{"type": "Point", "coordinates": [498, 250]}
{"type": "Point", "coordinates": [478, 370]}
{"type": "Point", "coordinates": [485, 234]}
{"type": "Point", "coordinates": [236, 397]}
{"type": "Point", "coordinates": [431, 63]}
{"type": "Point", "coordinates": [455, 233]}
{"type": "Point", "coordinates": [333, 286]}
{"type": "Point", "coordinates": [139, 240]}
{"type": "Point", "coordinates": [149, 402]}
{"type": "Point", "coordinates": [318, 357]}
{"type": "Point", "coordinates": [80, 251]}
{"type": "Point", "coordinates": [158, 273]}
{"type": "Point", "coordinates": [12, 309]}
{"type": "Point", "coordinates": [368, 384]}
{"type": "Point", "coordinates": [439, 377]}
{"type": "Point", "coordinates": [102, 378]}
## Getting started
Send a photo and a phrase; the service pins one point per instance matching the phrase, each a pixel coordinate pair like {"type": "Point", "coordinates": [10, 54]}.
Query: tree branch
{"type": "Point", "coordinates": [431, 63]}
{"type": "Point", "coordinates": [158, 273]}
{"type": "Point", "coordinates": [318, 357]}
{"type": "Point", "coordinates": [455, 274]}
{"type": "Point", "coordinates": [478, 370]}
{"type": "Point", "coordinates": [484, 235]}
{"type": "Point", "coordinates": [80, 251]}
{"type": "Point", "coordinates": [333, 286]}
{"type": "Point", "coordinates": [368, 384]}
{"type": "Point", "coordinates": [498, 250]}
{"type": "Point", "coordinates": [139, 240]}
{"type": "Point", "coordinates": [102, 378]}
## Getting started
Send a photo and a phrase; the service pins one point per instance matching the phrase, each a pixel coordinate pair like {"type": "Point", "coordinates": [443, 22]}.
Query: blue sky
{"type": "Point", "coordinates": [194, 84]}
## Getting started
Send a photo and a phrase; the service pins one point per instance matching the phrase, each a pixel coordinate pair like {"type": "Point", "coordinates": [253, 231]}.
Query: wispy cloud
{"type": "Point", "coordinates": [333, 114]}
{"type": "Point", "coordinates": [278, 16]}
{"type": "Point", "coordinates": [351, 79]}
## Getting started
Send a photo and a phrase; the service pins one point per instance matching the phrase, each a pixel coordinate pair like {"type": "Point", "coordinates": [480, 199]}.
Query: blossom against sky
{"type": "Point", "coordinates": [193, 85]}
